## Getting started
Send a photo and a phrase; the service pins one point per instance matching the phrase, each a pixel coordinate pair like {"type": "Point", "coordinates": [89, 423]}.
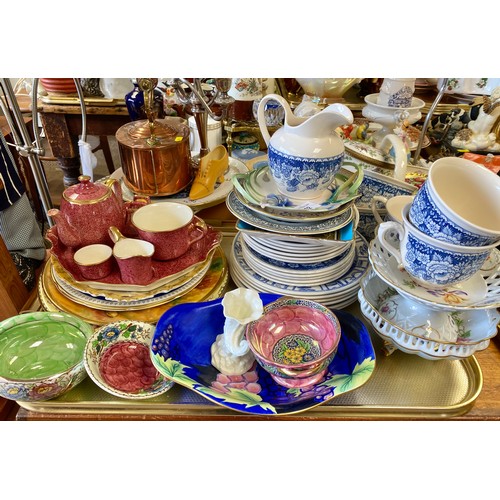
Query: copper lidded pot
{"type": "Point", "coordinates": [155, 156]}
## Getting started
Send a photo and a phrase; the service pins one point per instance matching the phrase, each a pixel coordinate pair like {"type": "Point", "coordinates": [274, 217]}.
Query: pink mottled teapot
{"type": "Point", "coordinates": [87, 211]}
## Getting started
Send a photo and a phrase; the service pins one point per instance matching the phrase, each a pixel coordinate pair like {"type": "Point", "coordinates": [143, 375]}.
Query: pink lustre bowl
{"type": "Point", "coordinates": [295, 340]}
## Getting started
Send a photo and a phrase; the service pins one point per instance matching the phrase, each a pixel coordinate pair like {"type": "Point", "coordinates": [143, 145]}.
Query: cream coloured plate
{"type": "Point", "coordinates": [220, 192]}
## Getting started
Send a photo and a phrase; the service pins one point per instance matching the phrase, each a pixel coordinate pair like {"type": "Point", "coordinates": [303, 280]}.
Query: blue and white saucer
{"type": "Point", "coordinates": [242, 212]}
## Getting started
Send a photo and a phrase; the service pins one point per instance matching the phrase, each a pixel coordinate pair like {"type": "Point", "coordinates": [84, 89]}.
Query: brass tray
{"type": "Point", "coordinates": [403, 386]}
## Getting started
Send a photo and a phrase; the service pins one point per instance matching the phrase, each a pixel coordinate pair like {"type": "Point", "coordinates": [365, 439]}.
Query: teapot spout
{"type": "Point", "coordinates": [68, 234]}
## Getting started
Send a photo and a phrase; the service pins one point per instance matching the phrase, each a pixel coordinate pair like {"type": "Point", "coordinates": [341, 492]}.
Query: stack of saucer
{"type": "Point", "coordinates": [295, 248]}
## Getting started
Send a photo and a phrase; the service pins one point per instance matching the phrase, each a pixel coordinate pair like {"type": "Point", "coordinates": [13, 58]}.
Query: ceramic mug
{"type": "Point", "coordinates": [171, 227]}
{"type": "Point", "coordinates": [134, 258]}
{"type": "Point", "coordinates": [396, 92]}
{"type": "Point", "coordinates": [432, 263]}
{"type": "Point", "coordinates": [392, 208]}
{"type": "Point", "coordinates": [94, 261]}
{"type": "Point", "coordinates": [459, 203]}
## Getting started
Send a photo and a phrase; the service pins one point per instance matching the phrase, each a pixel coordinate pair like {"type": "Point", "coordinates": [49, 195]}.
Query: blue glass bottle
{"type": "Point", "coordinates": [134, 101]}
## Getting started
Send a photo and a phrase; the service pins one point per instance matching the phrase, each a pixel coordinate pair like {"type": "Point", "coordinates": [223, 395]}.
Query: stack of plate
{"type": "Point", "coordinates": [172, 279]}
{"type": "Point", "coordinates": [452, 323]}
{"type": "Point", "coordinates": [295, 248]}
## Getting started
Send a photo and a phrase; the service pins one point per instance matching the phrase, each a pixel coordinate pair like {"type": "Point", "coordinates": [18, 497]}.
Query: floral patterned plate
{"type": "Point", "coordinates": [180, 351]}
{"type": "Point", "coordinates": [479, 291]}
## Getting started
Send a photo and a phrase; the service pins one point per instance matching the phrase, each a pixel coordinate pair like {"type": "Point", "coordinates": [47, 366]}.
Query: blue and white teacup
{"type": "Point", "coordinates": [459, 203]}
{"type": "Point", "coordinates": [432, 263]}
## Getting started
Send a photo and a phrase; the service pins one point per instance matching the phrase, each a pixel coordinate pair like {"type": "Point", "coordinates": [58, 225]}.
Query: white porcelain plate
{"type": "Point", "coordinates": [418, 329]}
{"type": "Point", "coordinates": [480, 291]}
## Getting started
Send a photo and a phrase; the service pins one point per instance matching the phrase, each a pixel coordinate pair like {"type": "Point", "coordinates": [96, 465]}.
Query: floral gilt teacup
{"type": "Point", "coordinates": [432, 263]}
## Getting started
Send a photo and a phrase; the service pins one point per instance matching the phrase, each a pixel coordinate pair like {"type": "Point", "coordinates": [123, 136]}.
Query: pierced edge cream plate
{"type": "Point", "coordinates": [412, 344]}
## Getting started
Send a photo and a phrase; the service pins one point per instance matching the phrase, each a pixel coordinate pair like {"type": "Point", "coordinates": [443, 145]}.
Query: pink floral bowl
{"type": "Point", "coordinates": [295, 340]}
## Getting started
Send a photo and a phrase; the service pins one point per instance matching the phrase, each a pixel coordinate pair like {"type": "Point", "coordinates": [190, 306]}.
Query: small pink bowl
{"type": "Point", "coordinates": [295, 340]}
{"type": "Point", "coordinates": [94, 261]}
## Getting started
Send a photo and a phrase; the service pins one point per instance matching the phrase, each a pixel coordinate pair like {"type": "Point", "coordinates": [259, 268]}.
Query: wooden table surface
{"type": "Point", "coordinates": [63, 124]}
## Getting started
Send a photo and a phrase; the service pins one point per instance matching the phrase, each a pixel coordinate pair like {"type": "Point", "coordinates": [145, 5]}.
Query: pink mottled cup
{"type": "Point", "coordinates": [94, 261]}
{"type": "Point", "coordinates": [171, 227]}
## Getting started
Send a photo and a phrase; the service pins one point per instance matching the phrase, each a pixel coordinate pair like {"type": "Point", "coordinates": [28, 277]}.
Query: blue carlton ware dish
{"type": "Point", "coordinates": [180, 350]}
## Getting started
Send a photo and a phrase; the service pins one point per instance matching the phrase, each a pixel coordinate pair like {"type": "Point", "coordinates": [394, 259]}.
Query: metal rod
{"type": "Point", "coordinates": [428, 119]}
{"type": "Point", "coordinates": [25, 146]}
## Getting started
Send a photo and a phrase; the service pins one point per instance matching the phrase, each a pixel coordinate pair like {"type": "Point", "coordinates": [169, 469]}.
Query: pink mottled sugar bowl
{"type": "Point", "coordinates": [295, 340]}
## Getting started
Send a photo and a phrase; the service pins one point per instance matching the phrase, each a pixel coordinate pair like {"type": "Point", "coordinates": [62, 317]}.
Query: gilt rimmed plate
{"type": "Point", "coordinates": [180, 351]}
{"type": "Point", "coordinates": [219, 194]}
{"type": "Point", "coordinates": [119, 305]}
{"type": "Point", "coordinates": [479, 291]}
{"type": "Point", "coordinates": [239, 210]}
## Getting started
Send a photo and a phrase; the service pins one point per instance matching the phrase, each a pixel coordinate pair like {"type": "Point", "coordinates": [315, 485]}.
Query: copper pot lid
{"type": "Point", "coordinates": [160, 133]}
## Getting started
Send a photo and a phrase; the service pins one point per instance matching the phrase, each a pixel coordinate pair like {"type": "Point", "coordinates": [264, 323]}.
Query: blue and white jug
{"type": "Point", "coordinates": [306, 153]}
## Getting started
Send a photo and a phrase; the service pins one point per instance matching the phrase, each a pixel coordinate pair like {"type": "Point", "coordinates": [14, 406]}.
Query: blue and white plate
{"type": "Point", "coordinates": [180, 351]}
{"type": "Point", "coordinates": [338, 293]}
{"type": "Point", "coordinates": [239, 210]}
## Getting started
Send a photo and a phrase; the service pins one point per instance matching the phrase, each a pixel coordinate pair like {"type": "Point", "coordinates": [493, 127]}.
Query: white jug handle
{"type": "Point", "coordinates": [400, 154]}
{"type": "Point", "coordinates": [261, 116]}
{"type": "Point", "coordinates": [373, 206]}
{"type": "Point", "coordinates": [384, 228]}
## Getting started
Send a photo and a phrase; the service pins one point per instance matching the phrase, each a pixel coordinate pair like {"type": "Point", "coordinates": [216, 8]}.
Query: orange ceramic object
{"type": "Point", "coordinates": [491, 162]}
{"type": "Point", "coordinates": [59, 86]}
{"type": "Point", "coordinates": [212, 168]}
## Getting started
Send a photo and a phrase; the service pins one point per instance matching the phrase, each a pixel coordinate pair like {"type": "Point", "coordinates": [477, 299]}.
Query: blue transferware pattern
{"type": "Point", "coordinates": [299, 174]}
{"type": "Point", "coordinates": [401, 98]}
{"type": "Point", "coordinates": [180, 351]}
{"type": "Point", "coordinates": [350, 279]}
{"type": "Point", "coordinates": [371, 187]}
{"type": "Point", "coordinates": [427, 217]}
{"type": "Point", "coordinates": [436, 265]}
{"type": "Point", "coordinates": [311, 266]}
{"type": "Point", "coordinates": [367, 224]}
{"type": "Point", "coordinates": [239, 210]}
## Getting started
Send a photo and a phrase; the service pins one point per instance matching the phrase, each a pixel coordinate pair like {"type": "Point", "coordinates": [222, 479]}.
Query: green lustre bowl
{"type": "Point", "coordinates": [41, 355]}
